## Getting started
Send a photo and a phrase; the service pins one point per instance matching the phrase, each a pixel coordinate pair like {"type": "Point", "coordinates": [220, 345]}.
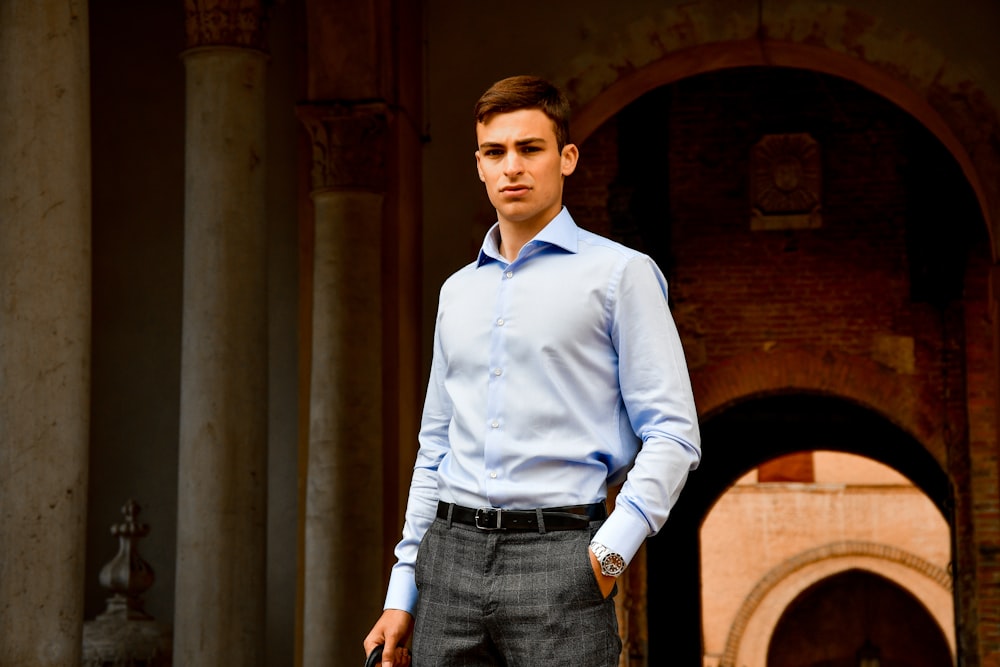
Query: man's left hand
{"type": "Point", "coordinates": [605, 582]}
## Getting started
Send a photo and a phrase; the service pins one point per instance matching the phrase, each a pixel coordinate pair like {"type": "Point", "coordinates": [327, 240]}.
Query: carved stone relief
{"type": "Point", "coordinates": [785, 182]}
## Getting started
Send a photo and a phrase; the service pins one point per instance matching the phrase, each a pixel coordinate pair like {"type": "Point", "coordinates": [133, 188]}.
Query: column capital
{"type": "Point", "coordinates": [239, 23]}
{"type": "Point", "coordinates": [349, 143]}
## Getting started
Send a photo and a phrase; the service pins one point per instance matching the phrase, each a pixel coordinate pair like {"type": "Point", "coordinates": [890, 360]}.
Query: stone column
{"type": "Point", "coordinates": [222, 490]}
{"type": "Point", "coordinates": [44, 328]}
{"type": "Point", "coordinates": [344, 577]}
{"type": "Point", "coordinates": [977, 557]}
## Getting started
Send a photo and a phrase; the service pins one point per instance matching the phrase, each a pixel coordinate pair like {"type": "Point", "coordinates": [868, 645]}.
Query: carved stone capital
{"type": "Point", "coordinates": [239, 23]}
{"type": "Point", "coordinates": [349, 144]}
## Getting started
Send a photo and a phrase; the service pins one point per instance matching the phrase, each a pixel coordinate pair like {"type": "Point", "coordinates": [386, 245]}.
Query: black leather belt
{"type": "Point", "coordinates": [574, 517]}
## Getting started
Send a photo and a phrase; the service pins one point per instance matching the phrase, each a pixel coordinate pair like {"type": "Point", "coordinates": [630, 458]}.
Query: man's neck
{"type": "Point", "coordinates": [514, 235]}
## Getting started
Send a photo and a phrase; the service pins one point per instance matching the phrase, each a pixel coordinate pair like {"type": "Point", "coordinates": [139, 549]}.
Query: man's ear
{"type": "Point", "coordinates": [479, 167]}
{"type": "Point", "coordinates": [570, 156]}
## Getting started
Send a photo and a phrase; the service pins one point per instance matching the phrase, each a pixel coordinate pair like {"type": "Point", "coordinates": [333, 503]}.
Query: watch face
{"type": "Point", "coordinates": [612, 565]}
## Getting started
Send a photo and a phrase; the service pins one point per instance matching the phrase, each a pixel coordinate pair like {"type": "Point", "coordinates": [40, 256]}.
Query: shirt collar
{"type": "Point", "coordinates": [561, 231]}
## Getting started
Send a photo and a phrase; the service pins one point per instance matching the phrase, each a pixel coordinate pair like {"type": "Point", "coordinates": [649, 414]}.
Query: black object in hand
{"type": "Point", "coordinates": [375, 657]}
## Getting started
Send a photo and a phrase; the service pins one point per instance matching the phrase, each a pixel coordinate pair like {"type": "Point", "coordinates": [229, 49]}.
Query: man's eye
{"type": "Point", "coordinates": [530, 149]}
{"type": "Point", "coordinates": [493, 152]}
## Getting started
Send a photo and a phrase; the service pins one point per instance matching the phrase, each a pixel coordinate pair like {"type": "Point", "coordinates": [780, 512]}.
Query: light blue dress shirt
{"type": "Point", "coordinates": [553, 377]}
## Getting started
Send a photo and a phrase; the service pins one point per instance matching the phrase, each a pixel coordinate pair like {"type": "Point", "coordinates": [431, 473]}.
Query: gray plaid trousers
{"type": "Point", "coordinates": [511, 598]}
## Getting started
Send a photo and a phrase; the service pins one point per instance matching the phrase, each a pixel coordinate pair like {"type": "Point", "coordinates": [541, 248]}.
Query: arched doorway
{"type": "Point", "coordinates": [778, 322]}
{"type": "Point", "coordinates": [740, 438]}
{"type": "Point", "coordinates": [854, 615]}
{"type": "Point", "coordinates": [800, 519]}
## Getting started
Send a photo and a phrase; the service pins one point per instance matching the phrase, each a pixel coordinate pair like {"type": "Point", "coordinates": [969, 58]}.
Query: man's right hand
{"type": "Point", "coordinates": [392, 630]}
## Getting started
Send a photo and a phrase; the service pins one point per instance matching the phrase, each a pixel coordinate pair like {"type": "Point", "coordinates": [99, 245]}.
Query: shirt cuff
{"type": "Point", "coordinates": [402, 592]}
{"type": "Point", "coordinates": [623, 533]}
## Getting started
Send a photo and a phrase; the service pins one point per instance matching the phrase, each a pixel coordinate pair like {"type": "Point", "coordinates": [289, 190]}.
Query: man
{"type": "Point", "coordinates": [557, 371]}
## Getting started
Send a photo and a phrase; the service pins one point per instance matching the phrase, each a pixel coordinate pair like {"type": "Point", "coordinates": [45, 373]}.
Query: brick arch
{"type": "Point", "coordinates": [846, 552]}
{"type": "Point", "coordinates": [857, 379]}
{"type": "Point", "coordinates": [832, 39]}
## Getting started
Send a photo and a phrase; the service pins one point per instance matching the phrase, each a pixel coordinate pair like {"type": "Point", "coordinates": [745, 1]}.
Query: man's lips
{"type": "Point", "coordinates": [514, 190]}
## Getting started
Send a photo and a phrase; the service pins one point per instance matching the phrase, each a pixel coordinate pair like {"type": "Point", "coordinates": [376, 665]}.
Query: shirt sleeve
{"type": "Point", "coordinates": [656, 391]}
{"type": "Point", "coordinates": [421, 506]}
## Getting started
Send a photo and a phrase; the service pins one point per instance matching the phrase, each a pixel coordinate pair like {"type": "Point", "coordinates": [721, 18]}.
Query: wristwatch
{"type": "Point", "coordinates": [612, 564]}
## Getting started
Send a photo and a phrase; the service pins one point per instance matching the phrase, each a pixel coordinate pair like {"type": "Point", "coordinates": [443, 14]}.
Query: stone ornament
{"type": "Point", "coordinates": [785, 182]}
{"type": "Point", "coordinates": [124, 635]}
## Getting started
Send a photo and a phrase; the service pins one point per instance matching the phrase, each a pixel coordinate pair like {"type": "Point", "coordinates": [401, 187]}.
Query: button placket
{"type": "Point", "coordinates": [496, 384]}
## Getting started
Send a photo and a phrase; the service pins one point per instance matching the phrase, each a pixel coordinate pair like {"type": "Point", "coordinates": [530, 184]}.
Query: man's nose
{"type": "Point", "coordinates": [512, 163]}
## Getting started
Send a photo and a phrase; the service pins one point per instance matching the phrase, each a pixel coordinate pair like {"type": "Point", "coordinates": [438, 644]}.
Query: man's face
{"type": "Point", "coordinates": [522, 167]}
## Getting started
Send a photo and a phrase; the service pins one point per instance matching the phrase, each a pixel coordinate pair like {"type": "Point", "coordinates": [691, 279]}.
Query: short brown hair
{"type": "Point", "coordinates": [527, 92]}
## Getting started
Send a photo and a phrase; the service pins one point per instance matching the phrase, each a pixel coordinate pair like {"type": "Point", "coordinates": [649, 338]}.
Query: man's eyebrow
{"type": "Point", "coordinates": [519, 142]}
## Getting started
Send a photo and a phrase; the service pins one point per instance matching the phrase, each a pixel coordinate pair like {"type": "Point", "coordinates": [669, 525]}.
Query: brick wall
{"type": "Point", "coordinates": [884, 303]}
{"type": "Point", "coordinates": [671, 175]}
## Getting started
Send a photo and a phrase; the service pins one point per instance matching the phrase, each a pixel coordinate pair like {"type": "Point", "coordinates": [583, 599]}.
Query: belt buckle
{"type": "Point", "coordinates": [487, 512]}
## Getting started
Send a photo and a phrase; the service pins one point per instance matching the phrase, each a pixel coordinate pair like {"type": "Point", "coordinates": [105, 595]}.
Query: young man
{"type": "Point", "coordinates": [557, 372]}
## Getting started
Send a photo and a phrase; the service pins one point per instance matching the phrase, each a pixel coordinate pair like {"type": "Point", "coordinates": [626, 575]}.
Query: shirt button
{"type": "Point", "coordinates": [500, 322]}
{"type": "Point", "coordinates": [509, 274]}
{"type": "Point", "coordinates": [493, 475]}
{"type": "Point", "coordinates": [495, 424]}
{"type": "Point", "coordinates": [497, 371]}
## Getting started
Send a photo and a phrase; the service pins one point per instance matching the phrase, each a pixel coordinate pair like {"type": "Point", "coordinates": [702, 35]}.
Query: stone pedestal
{"type": "Point", "coordinates": [110, 641]}
{"type": "Point", "coordinates": [44, 328]}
